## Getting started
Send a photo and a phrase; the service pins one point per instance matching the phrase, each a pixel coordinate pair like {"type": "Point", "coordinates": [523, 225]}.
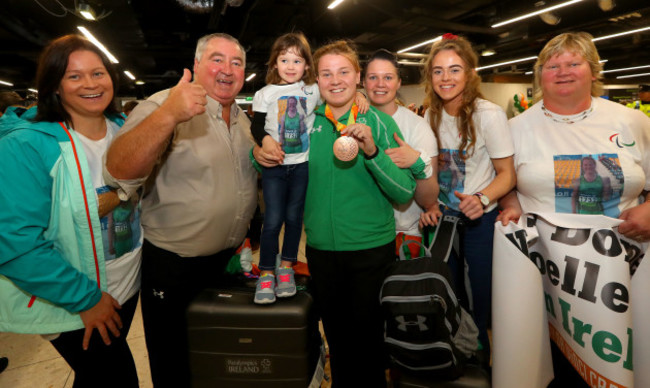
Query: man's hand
{"type": "Point", "coordinates": [106, 202]}
{"type": "Point", "coordinates": [186, 99]}
{"type": "Point", "coordinates": [102, 316]}
{"type": "Point", "coordinates": [404, 156]}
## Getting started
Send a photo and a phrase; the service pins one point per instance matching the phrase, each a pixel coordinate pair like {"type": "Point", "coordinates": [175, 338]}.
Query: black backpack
{"type": "Point", "coordinates": [427, 331]}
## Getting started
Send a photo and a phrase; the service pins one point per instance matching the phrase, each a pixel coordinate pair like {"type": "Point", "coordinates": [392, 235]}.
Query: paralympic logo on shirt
{"type": "Point", "coordinates": [620, 144]}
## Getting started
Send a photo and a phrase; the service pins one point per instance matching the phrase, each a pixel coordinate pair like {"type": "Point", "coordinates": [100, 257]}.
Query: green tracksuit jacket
{"type": "Point", "coordinates": [348, 205]}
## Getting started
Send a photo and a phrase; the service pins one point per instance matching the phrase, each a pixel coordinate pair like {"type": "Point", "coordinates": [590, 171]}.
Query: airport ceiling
{"type": "Point", "coordinates": [155, 39]}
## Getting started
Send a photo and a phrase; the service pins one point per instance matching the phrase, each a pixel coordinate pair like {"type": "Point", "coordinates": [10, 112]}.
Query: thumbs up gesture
{"type": "Point", "coordinates": [404, 156]}
{"type": "Point", "coordinates": [470, 205]}
{"type": "Point", "coordinates": [186, 99]}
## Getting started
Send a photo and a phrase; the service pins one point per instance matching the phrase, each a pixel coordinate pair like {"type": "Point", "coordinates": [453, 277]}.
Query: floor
{"type": "Point", "coordinates": [33, 362]}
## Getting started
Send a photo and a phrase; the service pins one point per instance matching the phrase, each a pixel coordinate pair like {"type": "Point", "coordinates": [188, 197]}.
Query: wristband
{"type": "Point", "coordinates": [374, 154]}
{"type": "Point", "coordinates": [485, 201]}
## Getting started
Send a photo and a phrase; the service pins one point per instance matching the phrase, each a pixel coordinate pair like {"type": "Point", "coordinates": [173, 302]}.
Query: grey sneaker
{"type": "Point", "coordinates": [265, 290]}
{"type": "Point", "coordinates": [286, 283]}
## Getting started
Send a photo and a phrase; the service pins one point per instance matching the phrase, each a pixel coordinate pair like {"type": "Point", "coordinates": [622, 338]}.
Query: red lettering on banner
{"type": "Point", "coordinates": [589, 375]}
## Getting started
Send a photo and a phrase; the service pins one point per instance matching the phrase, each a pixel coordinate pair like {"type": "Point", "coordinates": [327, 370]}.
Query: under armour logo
{"type": "Point", "coordinates": [160, 294]}
{"type": "Point", "coordinates": [404, 325]}
{"type": "Point", "coordinates": [318, 128]}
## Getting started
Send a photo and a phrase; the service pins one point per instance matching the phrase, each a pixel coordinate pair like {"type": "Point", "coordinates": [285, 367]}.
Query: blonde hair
{"type": "Point", "coordinates": [287, 42]}
{"type": "Point", "coordinates": [466, 127]}
{"type": "Point", "coordinates": [574, 42]}
{"type": "Point", "coordinates": [340, 47]}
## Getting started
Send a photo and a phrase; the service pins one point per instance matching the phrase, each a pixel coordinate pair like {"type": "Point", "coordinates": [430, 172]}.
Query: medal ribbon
{"type": "Point", "coordinates": [352, 118]}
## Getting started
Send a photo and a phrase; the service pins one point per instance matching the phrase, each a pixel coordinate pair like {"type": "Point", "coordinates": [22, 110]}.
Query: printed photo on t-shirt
{"type": "Point", "coordinates": [588, 184]}
{"type": "Point", "coordinates": [120, 228]}
{"type": "Point", "coordinates": [451, 176]}
{"type": "Point", "coordinates": [292, 126]}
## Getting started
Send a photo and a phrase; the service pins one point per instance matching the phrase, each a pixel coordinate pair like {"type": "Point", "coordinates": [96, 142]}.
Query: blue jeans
{"type": "Point", "coordinates": [285, 188]}
{"type": "Point", "coordinates": [478, 237]}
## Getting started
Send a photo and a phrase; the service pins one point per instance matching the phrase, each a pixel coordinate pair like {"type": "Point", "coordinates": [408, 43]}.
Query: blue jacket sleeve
{"type": "Point", "coordinates": [29, 260]}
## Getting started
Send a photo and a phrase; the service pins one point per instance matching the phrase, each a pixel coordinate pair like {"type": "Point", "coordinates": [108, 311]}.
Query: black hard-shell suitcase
{"type": "Point", "coordinates": [236, 343]}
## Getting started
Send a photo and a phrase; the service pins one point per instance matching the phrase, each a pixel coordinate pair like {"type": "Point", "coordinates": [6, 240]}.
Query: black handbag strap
{"type": "Point", "coordinates": [445, 237]}
{"type": "Point", "coordinates": [448, 235]}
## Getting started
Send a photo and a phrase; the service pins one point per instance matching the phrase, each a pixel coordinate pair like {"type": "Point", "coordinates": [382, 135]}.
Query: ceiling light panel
{"type": "Point", "coordinates": [541, 11]}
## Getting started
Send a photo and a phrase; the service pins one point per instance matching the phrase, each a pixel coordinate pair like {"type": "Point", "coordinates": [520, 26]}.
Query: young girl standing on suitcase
{"type": "Point", "coordinates": [284, 110]}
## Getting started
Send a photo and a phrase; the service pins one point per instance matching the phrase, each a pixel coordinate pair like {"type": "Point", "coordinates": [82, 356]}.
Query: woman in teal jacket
{"type": "Point", "coordinates": [54, 268]}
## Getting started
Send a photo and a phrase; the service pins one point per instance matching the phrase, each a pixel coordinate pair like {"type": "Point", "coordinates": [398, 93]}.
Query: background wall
{"type": "Point", "coordinates": [501, 94]}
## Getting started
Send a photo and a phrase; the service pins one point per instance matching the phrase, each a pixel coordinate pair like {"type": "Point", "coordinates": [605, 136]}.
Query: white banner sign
{"type": "Point", "coordinates": [576, 280]}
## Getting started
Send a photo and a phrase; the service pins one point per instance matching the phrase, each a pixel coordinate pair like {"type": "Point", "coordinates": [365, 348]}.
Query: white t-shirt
{"type": "Point", "coordinates": [418, 134]}
{"type": "Point", "coordinates": [121, 231]}
{"type": "Point", "coordinates": [475, 172]}
{"type": "Point", "coordinates": [290, 130]}
{"type": "Point", "coordinates": [549, 157]}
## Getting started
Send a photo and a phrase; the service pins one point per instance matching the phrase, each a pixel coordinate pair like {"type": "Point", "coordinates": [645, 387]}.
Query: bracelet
{"type": "Point", "coordinates": [374, 154]}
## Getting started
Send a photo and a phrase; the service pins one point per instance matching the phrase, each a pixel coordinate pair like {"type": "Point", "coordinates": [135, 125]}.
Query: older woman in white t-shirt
{"type": "Point", "coordinates": [570, 124]}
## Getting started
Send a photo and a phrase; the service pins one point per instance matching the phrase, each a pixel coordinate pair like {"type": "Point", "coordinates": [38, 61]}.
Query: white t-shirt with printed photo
{"type": "Point", "coordinates": [552, 151]}
{"type": "Point", "coordinates": [476, 172]}
{"type": "Point", "coordinates": [418, 134]}
{"type": "Point", "coordinates": [121, 231]}
{"type": "Point", "coordinates": [291, 132]}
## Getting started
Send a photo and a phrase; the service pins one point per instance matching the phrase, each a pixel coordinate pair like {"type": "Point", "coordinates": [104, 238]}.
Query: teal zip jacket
{"type": "Point", "coordinates": [51, 253]}
{"type": "Point", "coordinates": [348, 205]}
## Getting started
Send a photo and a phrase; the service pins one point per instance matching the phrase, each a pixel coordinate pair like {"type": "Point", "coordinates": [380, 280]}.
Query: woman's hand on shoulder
{"type": "Point", "coordinates": [403, 156]}
{"type": "Point", "coordinates": [104, 317]}
{"type": "Point", "coordinates": [362, 103]}
{"type": "Point", "coordinates": [636, 222]}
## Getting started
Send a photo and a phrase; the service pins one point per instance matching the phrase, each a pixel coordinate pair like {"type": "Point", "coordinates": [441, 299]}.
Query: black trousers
{"type": "Point", "coordinates": [101, 365]}
{"type": "Point", "coordinates": [169, 284]}
{"type": "Point", "coordinates": [345, 287]}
